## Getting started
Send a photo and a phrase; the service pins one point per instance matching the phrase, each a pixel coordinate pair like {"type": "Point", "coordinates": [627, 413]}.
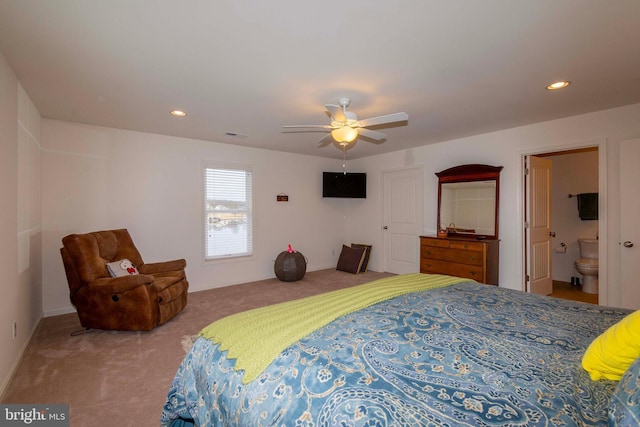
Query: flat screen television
{"type": "Point", "coordinates": [351, 185]}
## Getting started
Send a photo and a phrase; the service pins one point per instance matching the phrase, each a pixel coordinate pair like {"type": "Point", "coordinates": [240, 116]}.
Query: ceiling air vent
{"type": "Point", "coordinates": [235, 134]}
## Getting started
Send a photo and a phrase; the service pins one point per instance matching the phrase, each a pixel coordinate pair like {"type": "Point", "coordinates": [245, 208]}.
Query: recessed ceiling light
{"type": "Point", "coordinates": [558, 85]}
{"type": "Point", "coordinates": [178, 113]}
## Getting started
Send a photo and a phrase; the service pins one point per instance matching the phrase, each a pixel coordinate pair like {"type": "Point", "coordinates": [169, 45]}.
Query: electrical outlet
{"type": "Point", "coordinates": [15, 329]}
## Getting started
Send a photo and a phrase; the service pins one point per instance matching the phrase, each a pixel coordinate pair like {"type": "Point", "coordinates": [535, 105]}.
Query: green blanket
{"type": "Point", "coordinates": [255, 337]}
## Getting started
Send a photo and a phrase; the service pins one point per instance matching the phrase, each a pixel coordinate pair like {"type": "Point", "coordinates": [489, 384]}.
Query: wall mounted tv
{"type": "Point", "coordinates": [350, 185]}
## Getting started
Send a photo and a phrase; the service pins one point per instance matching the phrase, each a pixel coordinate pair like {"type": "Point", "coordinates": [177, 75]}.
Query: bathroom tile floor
{"type": "Point", "coordinates": [566, 290]}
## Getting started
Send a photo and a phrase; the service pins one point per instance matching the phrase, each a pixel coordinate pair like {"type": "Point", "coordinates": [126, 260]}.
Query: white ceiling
{"type": "Point", "coordinates": [456, 67]}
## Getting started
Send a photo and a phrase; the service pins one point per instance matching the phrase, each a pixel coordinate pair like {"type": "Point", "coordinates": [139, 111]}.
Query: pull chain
{"type": "Point", "coordinates": [344, 159]}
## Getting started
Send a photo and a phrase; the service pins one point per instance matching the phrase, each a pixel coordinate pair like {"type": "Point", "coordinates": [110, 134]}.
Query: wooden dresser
{"type": "Point", "coordinates": [462, 257]}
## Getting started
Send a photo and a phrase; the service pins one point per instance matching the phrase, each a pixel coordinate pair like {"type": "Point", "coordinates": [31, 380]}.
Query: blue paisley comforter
{"type": "Point", "coordinates": [464, 355]}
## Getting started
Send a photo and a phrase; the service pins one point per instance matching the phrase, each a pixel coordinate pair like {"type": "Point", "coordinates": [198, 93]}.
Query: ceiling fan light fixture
{"type": "Point", "coordinates": [344, 134]}
{"type": "Point", "coordinates": [345, 126]}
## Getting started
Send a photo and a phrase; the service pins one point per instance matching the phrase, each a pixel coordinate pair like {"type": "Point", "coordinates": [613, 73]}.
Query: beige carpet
{"type": "Point", "coordinates": [122, 378]}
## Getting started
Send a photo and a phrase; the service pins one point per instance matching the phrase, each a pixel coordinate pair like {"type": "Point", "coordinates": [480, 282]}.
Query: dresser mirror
{"type": "Point", "coordinates": [468, 197]}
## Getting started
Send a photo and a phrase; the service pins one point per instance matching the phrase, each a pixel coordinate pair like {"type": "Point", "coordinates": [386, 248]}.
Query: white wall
{"type": "Point", "coordinates": [29, 303]}
{"type": "Point", "coordinates": [604, 129]}
{"type": "Point", "coordinates": [97, 178]}
{"type": "Point", "coordinates": [20, 251]}
{"type": "Point", "coordinates": [8, 214]}
{"type": "Point", "coordinates": [572, 174]}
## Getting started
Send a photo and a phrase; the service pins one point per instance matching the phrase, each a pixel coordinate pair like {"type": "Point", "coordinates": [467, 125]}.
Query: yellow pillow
{"type": "Point", "coordinates": [610, 354]}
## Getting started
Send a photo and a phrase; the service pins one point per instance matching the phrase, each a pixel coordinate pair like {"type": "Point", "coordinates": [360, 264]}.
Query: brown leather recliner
{"type": "Point", "coordinates": [137, 302]}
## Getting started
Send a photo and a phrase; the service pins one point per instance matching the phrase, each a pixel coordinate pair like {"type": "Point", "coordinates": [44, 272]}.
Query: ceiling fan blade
{"type": "Point", "coordinates": [325, 141]}
{"type": "Point", "coordinates": [380, 120]}
{"type": "Point", "coordinates": [371, 134]}
{"type": "Point", "coordinates": [336, 112]}
{"type": "Point", "coordinates": [307, 126]}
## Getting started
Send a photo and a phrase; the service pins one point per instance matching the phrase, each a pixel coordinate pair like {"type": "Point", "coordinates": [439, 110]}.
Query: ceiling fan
{"type": "Point", "coordinates": [345, 126]}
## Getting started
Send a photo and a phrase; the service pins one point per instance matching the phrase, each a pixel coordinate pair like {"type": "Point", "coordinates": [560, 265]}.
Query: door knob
{"type": "Point", "coordinates": [628, 244]}
{"type": "Point", "coordinates": [385, 227]}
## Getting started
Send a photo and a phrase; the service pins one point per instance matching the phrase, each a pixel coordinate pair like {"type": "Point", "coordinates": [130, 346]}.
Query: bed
{"type": "Point", "coordinates": [409, 350]}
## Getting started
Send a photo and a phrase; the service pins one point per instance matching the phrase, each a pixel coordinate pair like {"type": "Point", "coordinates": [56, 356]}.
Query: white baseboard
{"type": "Point", "coordinates": [16, 362]}
{"type": "Point", "coordinates": [59, 312]}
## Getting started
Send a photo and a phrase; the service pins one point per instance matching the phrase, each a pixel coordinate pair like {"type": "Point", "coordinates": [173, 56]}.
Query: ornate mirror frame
{"type": "Point", "coordinates": [468, 174]}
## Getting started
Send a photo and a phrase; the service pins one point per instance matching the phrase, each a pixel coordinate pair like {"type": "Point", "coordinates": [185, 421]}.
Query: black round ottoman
{"type": "Point", "coordinates": [290, 266]}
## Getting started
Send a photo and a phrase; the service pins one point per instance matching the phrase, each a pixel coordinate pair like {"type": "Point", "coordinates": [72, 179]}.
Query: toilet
{"type": "Point", "coordinates": [587, 265]}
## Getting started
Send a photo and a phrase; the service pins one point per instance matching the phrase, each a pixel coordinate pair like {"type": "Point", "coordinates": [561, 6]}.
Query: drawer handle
{"type": "Point", "coordinates": [428, 252]}
{"type": "Point", "coordinates": [428, 265]}
{"type": "Point", "coordinates": [472, 258]}
{"type": "Point", "coordinates": [473, 273]}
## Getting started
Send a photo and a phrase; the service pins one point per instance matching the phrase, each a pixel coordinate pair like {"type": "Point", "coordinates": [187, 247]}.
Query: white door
{"type": "Point", "coordinates": [402, 201]}
{"type": "Point", "coordinates": [538, 225]}
{"type": "Point", "coordinates": [629, 223]}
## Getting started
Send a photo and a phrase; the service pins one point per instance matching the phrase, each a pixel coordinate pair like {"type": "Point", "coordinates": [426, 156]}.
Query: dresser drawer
{"type": "Point", "coordinates": [452, 269]}
{"type": "Point", "coordinates": [454, 244]}
{"type": "Point", "coordinates": [452, 255]}
{"type": "Point", "coordinates": [439, 243]}
{"type": "Point", "coordinates": [471, 246]}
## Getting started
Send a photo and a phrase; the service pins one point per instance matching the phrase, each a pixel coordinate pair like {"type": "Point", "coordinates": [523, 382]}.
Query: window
{"type": "Point", "coordinates": [228, 211]}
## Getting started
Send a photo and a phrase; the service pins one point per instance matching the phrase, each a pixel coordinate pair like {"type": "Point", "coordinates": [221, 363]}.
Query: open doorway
{"type": "Point", "coordinates": [573, 172]}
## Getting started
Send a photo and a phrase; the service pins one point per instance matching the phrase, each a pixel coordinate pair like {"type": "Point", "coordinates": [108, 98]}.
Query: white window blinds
{"type": "Point", "coordinates": [228, 206]}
